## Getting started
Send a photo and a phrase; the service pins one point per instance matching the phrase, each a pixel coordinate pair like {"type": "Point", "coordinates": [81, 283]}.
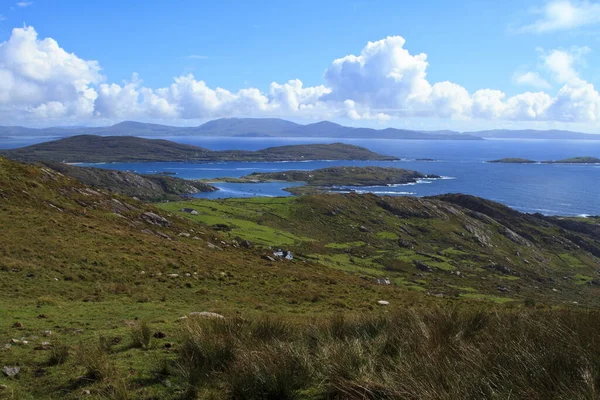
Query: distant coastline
{"type": "Point", "coordinates": [279, 128]}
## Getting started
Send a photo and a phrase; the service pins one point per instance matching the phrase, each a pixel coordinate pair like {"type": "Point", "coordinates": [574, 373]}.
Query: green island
{"type": "Point", "coordinates": [513, 160]}
{"type": "Point", "coordinates": [107, 149]}
{"type": "Point", "coordinates": [327, 179]}
{"type": "Point", "coordinates": [574, 160]}
{"type": "Point", "coordinates": [103, 296]}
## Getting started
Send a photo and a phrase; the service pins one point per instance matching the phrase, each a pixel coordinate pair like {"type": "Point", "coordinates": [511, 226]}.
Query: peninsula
{"type": "Point", "coordinates": [99, 149]}
{"type": "Point", "coordinates": [146, 187]}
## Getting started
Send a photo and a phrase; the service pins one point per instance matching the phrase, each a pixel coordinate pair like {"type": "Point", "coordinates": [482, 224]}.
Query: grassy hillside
{"type": "Point", "coordinates": [91, 149]}
{"type": "Point", "coordinates": [86, 265]}
{"type": "Point", "coordinates": [93, 287]}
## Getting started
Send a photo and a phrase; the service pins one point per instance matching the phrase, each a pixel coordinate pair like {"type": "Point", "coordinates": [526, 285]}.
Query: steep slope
{"type": "Point", "coordinates": [80, 268]}
{"type": "Point", "coordinates": [73, 238]}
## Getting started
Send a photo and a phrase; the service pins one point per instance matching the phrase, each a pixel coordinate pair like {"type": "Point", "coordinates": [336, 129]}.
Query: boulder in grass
{"type": "Point", "coordinates": [206, 314]}
{"type": "Point", "coordinates": [11, 372]}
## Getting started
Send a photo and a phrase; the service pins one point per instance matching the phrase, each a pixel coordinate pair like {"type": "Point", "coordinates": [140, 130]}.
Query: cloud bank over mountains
{"type": "Point", "coordinates": [39, 80]}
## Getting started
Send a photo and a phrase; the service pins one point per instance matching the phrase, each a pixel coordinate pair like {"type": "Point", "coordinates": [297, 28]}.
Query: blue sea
{"type": "Point", "coordinates": [533, 188]}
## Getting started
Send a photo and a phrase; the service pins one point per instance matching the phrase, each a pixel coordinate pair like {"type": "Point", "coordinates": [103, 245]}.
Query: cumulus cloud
{"type": "Point", "coordinates": [41, 81]}
{"type": "Point", "coordinates": [38, 77]}
{"type": "Point", "coordinates": [561, 15]}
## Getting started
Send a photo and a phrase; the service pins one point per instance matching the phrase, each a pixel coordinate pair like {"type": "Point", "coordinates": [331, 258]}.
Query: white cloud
{"type": "Point", "coordinates": [561, 15]}
{"type": "Point", "coordinates": [24, 3]}
{"type": "Point", "coordinates": [532, 79]}
{"type": "Point", "coordinates": [37, 75]}
{"type": "Point", "coordinates": [561, 63]}
{"type": "Point", "coordinates": [576, 101]}
{"type": "Point", "coordinates": [40, 81]}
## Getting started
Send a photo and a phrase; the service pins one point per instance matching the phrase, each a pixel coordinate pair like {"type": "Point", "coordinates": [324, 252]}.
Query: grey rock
{"type": "Point", "coordinates": [11, 372]}
{"type": "Point", "coordinates": [155, 219]}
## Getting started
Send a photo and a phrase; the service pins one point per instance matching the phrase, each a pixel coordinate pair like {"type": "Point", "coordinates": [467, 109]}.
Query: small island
{"type": "Point", "coordinates": [513, 160]}
{"type": "Point", "coordinates": [332, 178]}
{"type": "Point", "coordinates": [574, 160]}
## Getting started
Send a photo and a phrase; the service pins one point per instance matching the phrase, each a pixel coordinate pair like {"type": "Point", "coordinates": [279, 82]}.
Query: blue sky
{"type": "Point", "coordinates": [515, 49]}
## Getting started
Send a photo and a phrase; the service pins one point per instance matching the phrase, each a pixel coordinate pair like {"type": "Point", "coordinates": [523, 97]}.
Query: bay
{"type": "Point", "coordinates": [550, 189]}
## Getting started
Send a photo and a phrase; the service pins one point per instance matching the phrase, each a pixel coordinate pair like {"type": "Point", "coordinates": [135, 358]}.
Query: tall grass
{"type": "Point", "coordinates": [141, 335]}
{"type": "Point", "coordinates": [446, 353]}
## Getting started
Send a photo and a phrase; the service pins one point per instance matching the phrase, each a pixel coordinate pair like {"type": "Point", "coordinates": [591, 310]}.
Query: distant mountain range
{"type": "Point", "coordinates": [273, 127]}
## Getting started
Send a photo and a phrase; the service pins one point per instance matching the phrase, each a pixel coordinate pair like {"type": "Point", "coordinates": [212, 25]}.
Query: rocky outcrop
{"type": "Point", "coordinates": [155, 219]}
{"type": "Point", "coordinates": [144, 187]}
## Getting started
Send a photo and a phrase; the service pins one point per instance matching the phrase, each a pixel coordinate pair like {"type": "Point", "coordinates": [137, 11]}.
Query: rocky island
{"type": "Point", "coordinates": [327, 179]}
{"type": "Point", "coordinates": [104, 149]}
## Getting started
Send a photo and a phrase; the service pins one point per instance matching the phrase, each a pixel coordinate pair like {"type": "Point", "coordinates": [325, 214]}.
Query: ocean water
{"type": "Point", "coordinates": [544, 188]}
